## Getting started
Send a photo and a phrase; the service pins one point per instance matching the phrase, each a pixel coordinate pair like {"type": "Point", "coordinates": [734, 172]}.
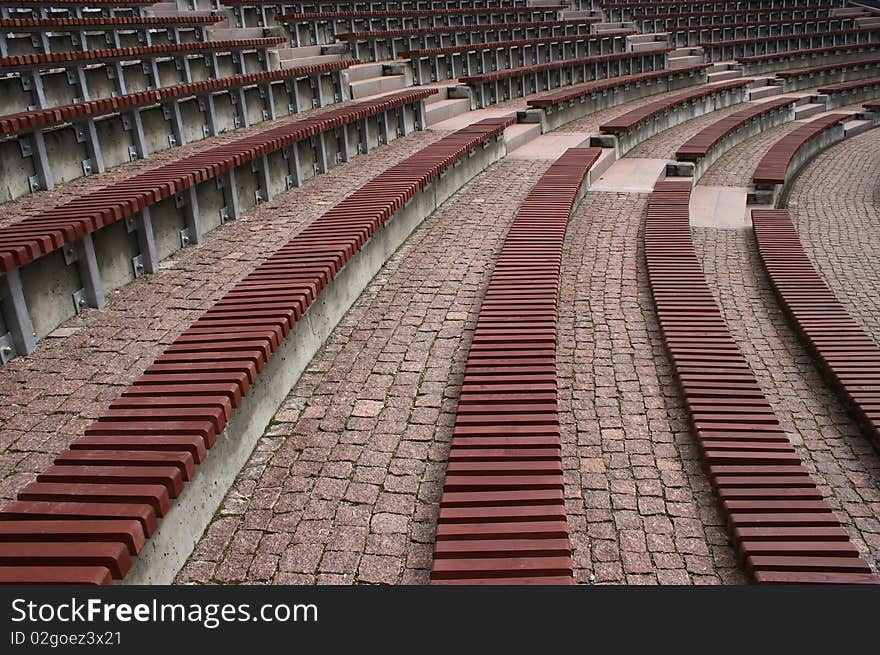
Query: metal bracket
{"type": "Point", "coordinates": [27, 83]}
{"type": "Point", "coordinates": [315, 103]}
{"type": "Point", "coordinates": [146, 68]}
{"type": "Point", "coordinates": [258, 196]}
{"type": "Point", "coordinates": [137, 265]}
{"type": "Point", "coordinates": [184, 237]}
{"type": "Point", "coordinates": [265, 115]}
{"type": "Point", "coordinates": [132, 153]}
{"type": "Point", "coordinates": [224, 215]}
{"type": "Point", "coordinates": [360, 149]}
{"type": "Point", "coordinates": [172, 140]}
{"type": "Point", "coordinates": [130, 224]}
{"type": "Point", "coordinates": [7, 349]}
{"type": "Point", "coordinates": [288, 182]}
{"type": "Point", "coordinates": [285, 153]}
{"type": "Point", "coordinates": [206, 131]}
{"type": "Point", "coordinates": [71, 77]}
{"type": "Point", "coordinates": [111, 72]}
{"type": "Point", "coordinates": [34, 182]}
{"type": "Point", "coordinates": [291, 109]}
{"type": "Point", "coordinates": [315, 169]}
{"type": "Point", "coordinates": [237, 121]}
{"type": "Point", "coordinates": [339, 157]}
{"type": "Point", "coordinates": [179, 200]}
{"type": "Point", "coordinates": [80, 302]}
{"type": "Point", "coordinates": [80, 134]}
{"type": "Point", "coordinates": [70, 255]}
{"type": "Point", "coordinates": [166, 112]}
{"type": "Point", "coordinates": [202, 104]}
{"type": "Point", "coordinates": [27, 148]}
{"type": "Point", "coordinates": [126, 121]}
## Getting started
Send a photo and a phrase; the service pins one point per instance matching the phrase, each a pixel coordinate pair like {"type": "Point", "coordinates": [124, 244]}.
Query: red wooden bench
{"type": "Point", "coordinates": [746, 47]}
{"type": "Point", "coordinates": [697, 35]}
{"type": "Point", "coordinates": [701, 145]}
{"type": "Point", "coordinates": [778, 519]}
{"type": "Point", "coordinates": [844, 351]}
{"type": "Point", "coordinates": [502, 513]}
{"type": "Point", "coordinates": [848, 93]}
{"type": "Point", "coordinates": [36, 236]}
{"type": "Point", "coordinates": [524, 80]}
{"type": "Point", "coordinates": [803, 58]}
{"type": "Point", "coordinates": [776, 166]}
{"type": "Point", "coordinates": [618, 11]}
{"type": "Point", "coordinates": [107, 493]}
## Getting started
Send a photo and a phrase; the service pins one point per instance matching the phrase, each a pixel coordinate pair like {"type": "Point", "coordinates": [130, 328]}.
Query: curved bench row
{"type": "Point", "coordinates": [785, 156]}
{"type": "Point", "coordinates": [845, 352]}
{"type": "Point", "coordinates": [711, 142]}
{"type": "Point", "coordinates": [680, 37]}
{"type": "Point", "coordinates": [619, 11]}
{"type": "Point", "coordinates": [734, 48]}
{"type": "Point", "coordinates": [388, 44]}
{"type": "Point", "coordinates": [502, 513]}
{"type": "Point", "coordinates": [196, 193]}
{"type": "Point", "coordinates": [661, 21]}
{"type": "Point", "coordinates": [849, 93]}
{"type": "Point", "coordinates": [778, 520]}
{"type": "Point", "coordinates": [472, 59]}
{"type": "Point", "coordinates": [802, 78]}
{"type": "Point", "coordinates": [559, 107]}
{"type": "Point", "coordinates": [94, 509]}
{"type": "Point", "coordinates": [502, 85]}
{"type": "Point", "coordinates": [190, 112]}
{"type": "Point", "coordinates": [804, 58]}
{"type": "Point", "coordinates": [642, 123]}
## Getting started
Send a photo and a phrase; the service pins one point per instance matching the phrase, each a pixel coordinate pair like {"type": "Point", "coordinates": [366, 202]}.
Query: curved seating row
{"type": "Point", "coordinates": [641, 123]}
{"type": "Point", "coordinates": [86, 516]}
{"type": "Point", "coordinates": [777, 61]}
{"type": "Point", "coordinates": [661, 21]}
{"type": "Point", "coordinates": [712, 141]}
{"type": "Point", "coordinates": [474, 59]}
{"type": "Point", "coordinates": [148, 216]}
{"type": "Point", "coordinates": [734, 48]}
{"type": "Point", "coordinates": [780, 523]}
{"type": "Point", "coordinates": [845, 352]}
{"type": "Point", "coordinates": [788, 153]}
{"type": "Point", "coordinates": [118, 22]}
{"type": "Point", "coordinates": [680, 37]}
{"type": "Point", "coordinates": [377, 45]}
{"type": "Point", "coordinates": [848, 93]}
{"type": "Point", "coordinates": [501, 85]}
{"type": "Point", "coordinates": [324, 27]}
{"type": "Point", "coordinates": [565, 105]}
{"type": "Point", "coordinates": [44, 61]}
{"type": "Point", "coordinates": [802, 78]}
{"type": "Point", "coordinates": [502, 513]}
{"type": "Point", "coordinates": [621, 11]}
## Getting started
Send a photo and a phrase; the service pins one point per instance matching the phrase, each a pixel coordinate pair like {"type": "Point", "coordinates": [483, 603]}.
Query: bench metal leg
{"type": "Point", "coordinates": [147, 241]}
{"type": "Point", "coordinates": [172, 113]}
{"type": "Point", "coordinates": [138, 135]}
{"type": "Point", "coordinates": [94, 146]}
{"type": "Point", "coordinates": [41, 162]}
{"type": "Point", "coordinates": [15, 313]}
{"type": "Point", "coordinates": [264, 174]}
{"type": "Point", "coordinates": [230, 195]}
{"type": "Point", "coordinates": [92, 293]}
{"type": "Point", "coordinates": [192, 216]}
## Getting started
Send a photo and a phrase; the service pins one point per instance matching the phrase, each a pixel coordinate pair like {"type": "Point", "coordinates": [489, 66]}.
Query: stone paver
{"type": "Point", "coordinates": [344, 485]}
{"type": "Point", "coordinates": [835, 205]}
{"type": "Point", "coordinates": [49, 397]}
{"type": "Point", "coordinates": [842, 461]}
{"type": "Point", "coordinates": [640, 506]}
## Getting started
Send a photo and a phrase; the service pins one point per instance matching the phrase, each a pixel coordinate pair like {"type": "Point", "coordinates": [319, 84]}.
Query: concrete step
{"type": "Point", "coordinates": [295, 53]}
{"type": "Point", "coordinates": [521, 133]}
{"type": "Point", "coordinates": [228, 33]}
{"type": "Point", "coordinates": [375, 85]}
{"type": "Point", "coordinates": [764, 92]}
{"type": "Point", "coordinates": [309, 61]}
{"type": "Point", "coordinates": [719, 66]}
{"type": "Point", "coordinates": [362, 72]}
{"type": "Point", "coordinates": [602, 28]}
{"type": "Point", "coordinates": [441, 110]}
{"type": "Point", "coordinates": [853, 127]}
{"type": "Point", "coordinates": [722, 76]}
{"type": "Point", "coordinates": [583, 14]}
{"type": "Point", "coordinates": [868, 21]}
{"type": "Point", "coordinates": [442, 94]}
{"type": "Point", "coordinates": [171, 9]}
{"type": "Point", "coordinates": [762, 81]}
{"type": "Point", "coordinates": [807, 110]}
{"type": "Point", "coordinates": [647, 38]}
{"type": "Point", "coordinates": [688, 50]}
{"type": "Point", "coordinates": [684, 62]}
{"type": "Point", "coordinates": [648, 46]}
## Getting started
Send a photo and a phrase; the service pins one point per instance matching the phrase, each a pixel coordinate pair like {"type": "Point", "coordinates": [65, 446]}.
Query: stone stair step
{"type": "Point", "coordinates": [856, 126]}
{"type": "Point", "coordinates": [764, 91]}
{"type": "Point", "coordinates": [441, 110]}
{"type": "Point", "coordinates": [684, 62]}
{"type": "Point", "coordinates": [724, 75]}
{"type": "Point", "coordinates": [375, 85]}
{"type": "Point", "coordinates": [309, 61]}
{"type": "Point", "coordinates": [809, 109]}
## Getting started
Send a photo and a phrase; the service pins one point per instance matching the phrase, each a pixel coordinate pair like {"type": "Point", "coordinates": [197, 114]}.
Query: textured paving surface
{"type": "Point", "coordinates": [835, 205]}
{"type": "Point", "coordinates": [667, 142]}
{"type": "Point", "coordinates": [841, 460]}
{"type": "Point", "coordinates": [640, 507]}
{"type": "Point", "coordinates": [736, 166]}
{"type": "Point", "coordinates": [344, 486]}
{"type": "Point", "coordinates": [49, 397]}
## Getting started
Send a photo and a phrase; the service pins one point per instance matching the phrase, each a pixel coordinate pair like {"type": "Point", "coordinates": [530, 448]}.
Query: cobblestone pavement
{"type": "Point", "coordinates": [344, 485]}
{"type": "Point", "coordinates": [640, 507]}
{"type": "Point", "coordinates": [835, 204]}
{"type": "Point", "coordinates": [49, 397]}
{"type": "Point", "coordinates": [842, 461]}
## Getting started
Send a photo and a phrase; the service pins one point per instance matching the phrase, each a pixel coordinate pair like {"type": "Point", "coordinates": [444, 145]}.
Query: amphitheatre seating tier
{"type": "Point", "coordinates": [735, 48]}
{"type": "Point", "coordinates": [621, 11]}
{"type": "Point", "coordinates": [782, 160]}
{"type": "Point", "coordinates": [501, 85]}
{"type": "Point", "coordinates": [844, 351]}
{"type": "Point", "coordinates": [847, 71]}
{"type": "Point", "coordinates": [805, 58]}
{"type": "Point", "coordinates": [505, 462]}
{"type": "Point", "coordinates": [172, 416]}
{"type": "Point", "coordinates": [750, 460]}
{"type": "Point", "coordinates": [454, 61]}
{"type": "Point", "coordinates": [157, 203]}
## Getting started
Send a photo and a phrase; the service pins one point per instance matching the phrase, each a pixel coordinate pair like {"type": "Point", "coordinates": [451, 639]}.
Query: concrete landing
{"type": "Point", "coordinates": [721, 207]}
{"type": "Point", "coordinates": [469, 117]}
{"type": "Point", "coordinates": [631, 175]}
{"type": "Point", "coordinates": [550, 146]}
